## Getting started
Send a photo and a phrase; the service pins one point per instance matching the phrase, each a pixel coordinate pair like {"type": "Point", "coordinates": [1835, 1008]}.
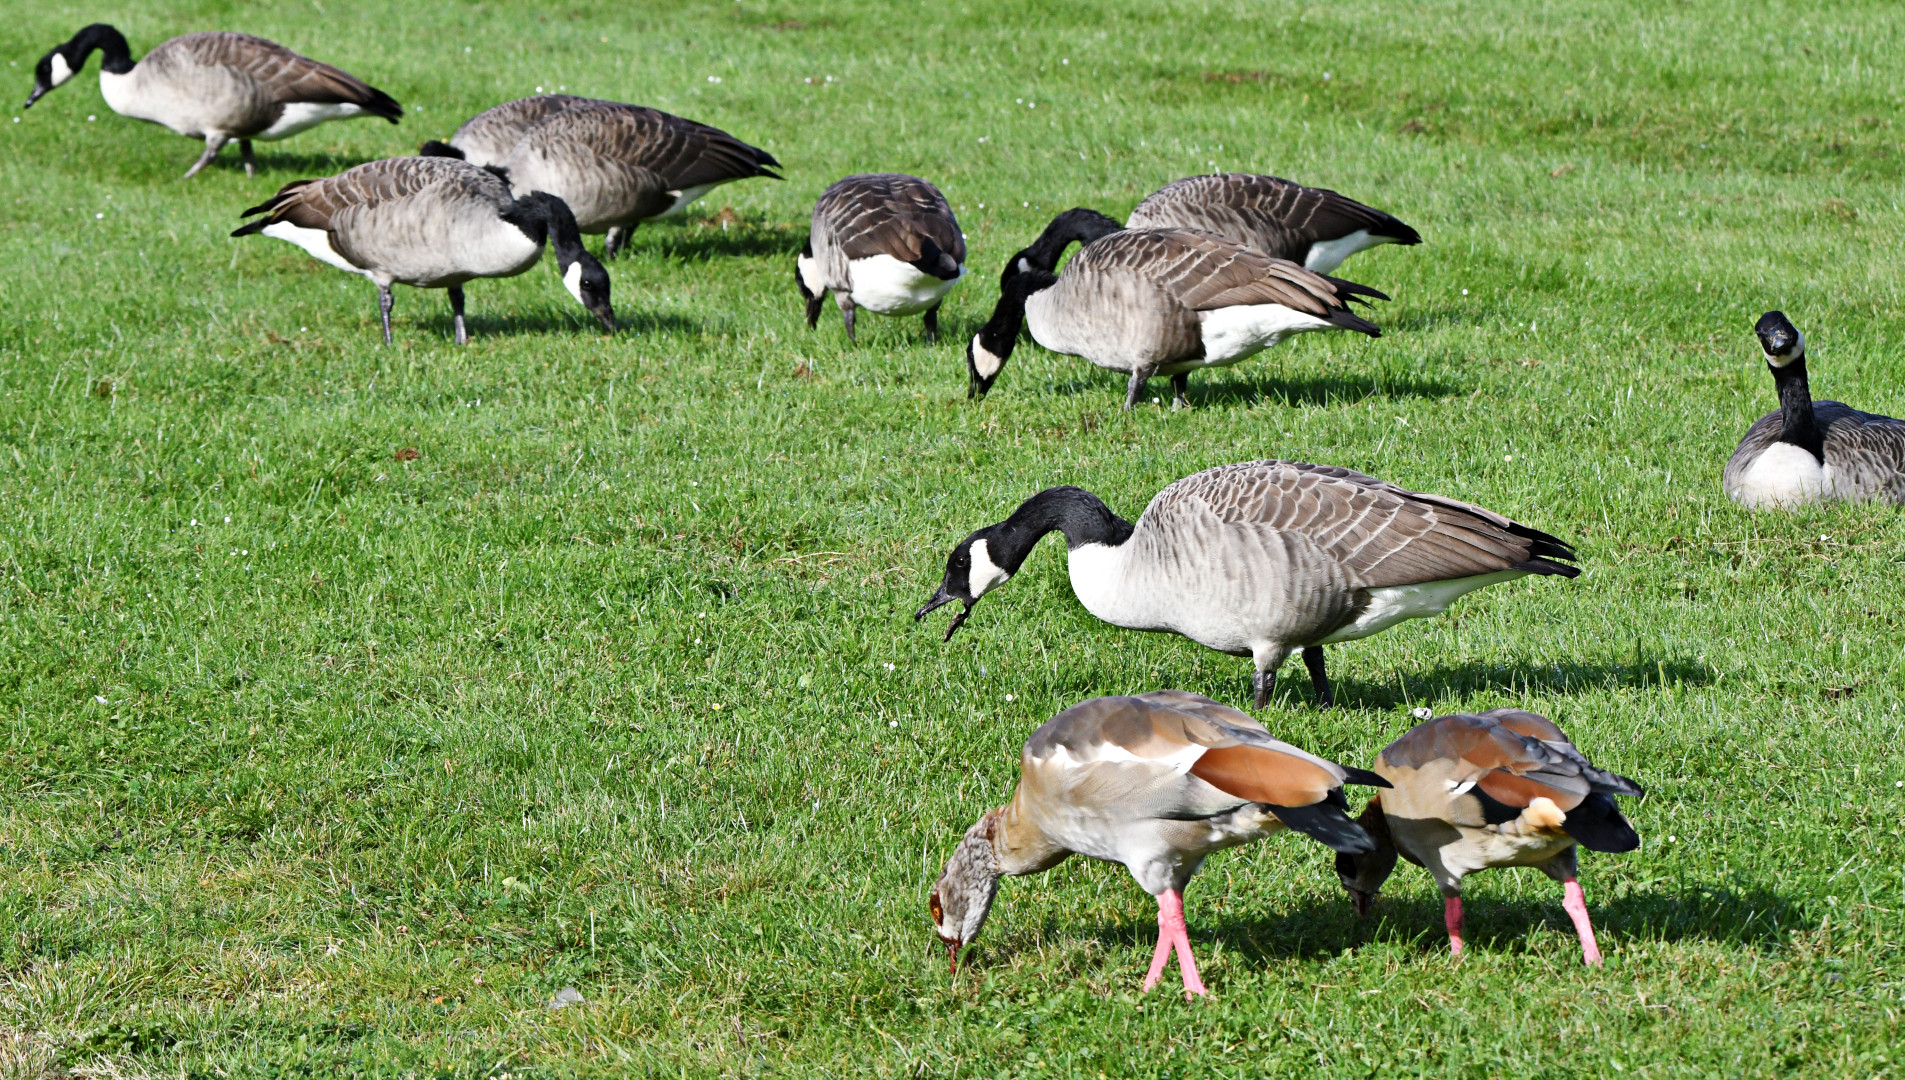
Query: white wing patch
{"type": "Point", "coordinates": [1326, 255]}
{"type": "Point", "coordinates": [684, 197]}
{"type": "Point", "coordinates": [303, 115]}
{"type": "Point", "coordinates": [1232, 333]}
{"type": "Point", "coordinates": [315, 241]}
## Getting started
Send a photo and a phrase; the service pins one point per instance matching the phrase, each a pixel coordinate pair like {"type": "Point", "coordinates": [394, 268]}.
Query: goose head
{"type": "Point", "coordinates": [64, 61]}
{"type": "Point", "coordinates": [962, 897]}
{"type": "Point", "coordinates": [992, 346]}
{"type": "Point", "coordinates": [1363, 874]}
{"type": "Point", "coordinates": [587, 281]}
{"type": "Point", "coordinates": [582, 273]}
{"type": "Point", "coordinates": [1779, 339]}
{"type": "Point", "coordinates": [972, 570]}
{"type": "Point", "coordinates": [52, 71]}
{"type": "Point", "coordinates": [807, 280]}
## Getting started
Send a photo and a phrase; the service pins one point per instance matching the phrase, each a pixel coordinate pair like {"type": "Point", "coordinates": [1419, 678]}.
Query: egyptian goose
{"type": "Point", "coordinates": [1812, 451]}
{"type": "Point", "coordinates": [216, 87]}
{"type": "Point", "coordinates": [1261, 559]}
{"type": "Point", "coordinates": [431, 223]}
{"type": "Point", "coordinates": [1313, 227]}
{"type": "Point", "coordinates": [1154, 302]}
{"type": "Point", "coordinates": [1155, 782]}
{"type": "Point", "coordinates": [617, 165]}
{"type": "Point", "coordinates": [1502, 788]}
{"type": "Point", "coordinates": [886, 242]}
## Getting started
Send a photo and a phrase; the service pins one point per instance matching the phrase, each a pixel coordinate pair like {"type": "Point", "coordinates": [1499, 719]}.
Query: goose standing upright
{"type": "Point", "coordinates": [215, 86]}
{"type": "Point", "coordinates": [1156, 782]}
{"type": "Point", "coordinates": [431, 223]}
{"type": "Point", "coordinates": [615, 165]}
{"type": "Point", "coordinates": [1501, 788]}
{"type": "Point", "coordinates": [1812, 451]}
{"type": "Point", "coordinates": [1313, 227]}
{"type": "Point", "coordinates": [887, 242]}
{"type": "Point", "coordinates": [1154, 302]}
{"type": "Point", "coordinates": [1261, 559]}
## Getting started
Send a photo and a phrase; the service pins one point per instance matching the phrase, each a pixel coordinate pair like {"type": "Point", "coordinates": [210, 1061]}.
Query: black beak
{"type": "Point", "coordinates": [38, 93]}
{"type": "Point", "coordinates": [941, 599]}
{"type": "Point", "coordinates": [975, 386]}
{"type": "Point", "coordinates": [607, 315]}
{"type": "Point", "coordinates": [1362, 902]}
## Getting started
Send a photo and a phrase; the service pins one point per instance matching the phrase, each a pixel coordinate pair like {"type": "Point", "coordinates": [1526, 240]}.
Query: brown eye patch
{"type": "Point", "coordinates": [932, 905]}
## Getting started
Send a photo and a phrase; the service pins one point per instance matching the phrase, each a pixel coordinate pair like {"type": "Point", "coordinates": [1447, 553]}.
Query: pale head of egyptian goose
{"type": "Point", "coordinates": [1500, 788]}
{"type": "Point", "coordinates": [1155, 782]}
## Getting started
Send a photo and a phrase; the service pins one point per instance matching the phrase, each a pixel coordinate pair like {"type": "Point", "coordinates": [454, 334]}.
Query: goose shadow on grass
{"type": "Point", "coordinates": [554, 324]}
{"type": "Point", "coordinates": [1410, 914]}
{"type": "Point", "coordinates": [1291, 392]}
{"type": "Point", "coordinates": [278, 168]}
{"type": "Point", "coordinates": [695, 242]}
{"type": "Point", "coordinates": [1452, 681]}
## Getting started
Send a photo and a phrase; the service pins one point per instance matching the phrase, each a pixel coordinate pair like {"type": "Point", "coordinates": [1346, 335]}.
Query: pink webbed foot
{"type": "Point", "coordinates": [1574, 901]}
{"type": "Point", "coordinates": [1173, 933]}
{"type": "Point", "coordinates": [1452, 918]}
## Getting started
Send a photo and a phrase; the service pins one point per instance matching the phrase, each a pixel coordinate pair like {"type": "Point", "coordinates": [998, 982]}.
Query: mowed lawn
{"type": "Point", "coordinates": [318, 758]}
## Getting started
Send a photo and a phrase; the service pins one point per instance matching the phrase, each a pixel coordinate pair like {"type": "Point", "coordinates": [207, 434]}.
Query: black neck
{"type": "Point", "coordinates": [1078, 224]}
{"type": "Point", "coordinates": [545, 218]}
{"type": "Point", "coordinates": [1001, 332]}
{"type": "Point", "coordinates": [115, 54]}
{"type": "Point", "coordinates": [1080, 515]}
{"type": "Point", "coordinates": [1797, 425]}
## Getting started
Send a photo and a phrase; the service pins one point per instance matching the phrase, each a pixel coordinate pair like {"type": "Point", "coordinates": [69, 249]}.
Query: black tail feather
{"type": "Point", "coordinates": [1353, 775]}
{"type": "Point", "coordinates": [435, 148]}
{"type": "Point", "coordinates": [1327, 823]}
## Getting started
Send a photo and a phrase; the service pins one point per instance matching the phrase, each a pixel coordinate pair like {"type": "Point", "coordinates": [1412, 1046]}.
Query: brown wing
{"type": "Point", "coordinates": [1383, 535]}
{"type": "Point", "coordinates": [315, 204]}
{"type": "Point", "coordinates": [286, 76]}
{"type": "Point", "coordinates": [1277, 217]}
{"type": "Point", "coordinates": [889, 214]}
{"type": "Point", "coordinates": [682, 152]}
{"type": "Point", "coordinates": [1513, 767]}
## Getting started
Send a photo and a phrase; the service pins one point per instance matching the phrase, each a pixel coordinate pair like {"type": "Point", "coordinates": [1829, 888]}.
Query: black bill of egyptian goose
{"type": "Point", "coordinates": [1500, 788]}
{"type": "Point", "coordinates": [431, 223]}
{"type": "Point", "coordinates": [1155, 302]}
{"type": "Point", "coordinates": [1155, 782]}
{"type": "Point", "coordinates": [615, 165]}
{"type": "Point", "coordinates": [886, 242]}
{"type": "Point", "coordinates": [216, 86]}
{"type": "Point", "coordinates": [1812, 451]}
{"type": "Point", "coordinates": [1313, 227]}
{"type": "Point", "coordinates": [1261, 559]}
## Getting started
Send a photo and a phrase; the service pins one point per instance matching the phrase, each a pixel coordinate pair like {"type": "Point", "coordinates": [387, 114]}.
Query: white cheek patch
{"type": "Point", "coordinates": [985, 362]}
{"type": "Point", "coordinates": [809, 268]}
{"type": "Point", "coordinates": [572, 277]}
{"type": "Point", "coordinates": [985, 575]}
{"type": "Point", "coordinates": [62, 71]}
{"type": "Point", "coordinates": [1798, 350]}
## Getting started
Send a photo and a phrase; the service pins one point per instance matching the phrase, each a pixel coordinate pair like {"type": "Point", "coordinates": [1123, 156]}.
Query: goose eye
{"type": "Point", "coordinates": [939, 913]}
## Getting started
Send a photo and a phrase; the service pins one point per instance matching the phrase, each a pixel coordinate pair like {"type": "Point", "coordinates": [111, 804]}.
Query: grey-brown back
{"type": "Point", "coordinates": [1277, 217]}
{"type": "Point", "coordinates": [884, 214]}
{"type": "Point", "coordinates": [254, 79]}
{"type": "Point", "coordinates": [489, 136]}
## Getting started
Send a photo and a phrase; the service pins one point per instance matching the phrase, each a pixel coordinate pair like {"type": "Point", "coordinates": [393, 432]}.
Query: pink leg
{"type": "Point", "coordinates": [1575, 903]}
{"type": "Point", "coordinates": [1173, 932]}
{"type": "Point", "coordinates": [1452, 918]}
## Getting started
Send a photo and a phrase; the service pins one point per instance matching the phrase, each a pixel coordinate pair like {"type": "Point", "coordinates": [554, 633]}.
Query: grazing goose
{"type": "Point", "coordinates": [215, 86]}
{"type": "Point", "coordinates": [1812, 451]}
{"type": "Point", "coordinates": [431, 223]}
{"type": "Point", "coordinates": [489, 136]}
{"type": "Point", "coordinates": [1313, 227]}
{"type": "Point", "coordinates": [1156, 782]}
{"type": "Point", "coordinates": [1154, 302]}
{"type": "Point", "coordinates": [1504, 788]}
{"type": "Point", "coordinates": [1261, 559]}
{"type": "Point", "coordinates": [620, 165]}
{"type": "Point", "coordinates": [882, 241]}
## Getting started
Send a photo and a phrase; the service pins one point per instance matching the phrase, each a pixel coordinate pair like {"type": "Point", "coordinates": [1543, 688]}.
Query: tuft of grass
{"type": "Point", "coordinates": [358, 700]}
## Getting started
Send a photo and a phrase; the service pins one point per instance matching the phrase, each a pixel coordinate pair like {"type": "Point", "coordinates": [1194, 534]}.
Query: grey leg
{"type": "Point", "coordinates": [244, 153]}
{"type": "Point", "coordinates": [932, 325]}
{"type": "Point", "coordinates": [1181, 391]}
{"type": "Point", "coordinates": [1135, 392]}
{"type": "Point", "coordinates": [383, 307]}
{"type": "Point", "coordinates": [1320, 682]}
{"type": "Point", "coordinates": [213, 144]}
{"type": "Point", "coordinates": [618, 236]}
{"type": "Point", "coordinates": [456, 313]}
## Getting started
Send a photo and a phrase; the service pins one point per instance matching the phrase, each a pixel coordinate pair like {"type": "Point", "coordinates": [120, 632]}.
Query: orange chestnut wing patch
{"type": "Point", "coordinates": [1263, 776]}
{"type": "Point", "coordinates": [1518, 791]}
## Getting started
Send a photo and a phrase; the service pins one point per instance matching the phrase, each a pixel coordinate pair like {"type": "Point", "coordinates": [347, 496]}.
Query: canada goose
{"type": "Point", "coordinates": [431, 223]}
{"type": "Point", "coordinates": [1260, 559]}
{"type": "Point", "coordinates": [1156, 782]}
{"type": "Point", "coordinates": [1154, 302]}
{"type": "Point", "coordinates": [1812, 451]}
{"type": "Point", "coordinates": [489, 136]}
{"type": "Point", "coordinates": [1503, 788]}
{"type": "Point", "coordinates": [882, 241]}
{"type": "Point", "coordinates": [617, 165]}
{"type": "Point", "coordinates": [1313, 227]}
{"type": "Point", "coordinates": [215, 86]}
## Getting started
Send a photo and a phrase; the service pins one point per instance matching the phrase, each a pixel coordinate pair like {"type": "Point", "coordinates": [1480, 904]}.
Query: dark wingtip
{"type": "Point", "coordinates": [1550, 569]}
{"type": "Point", "coordinates": [1400, 233]}
{"type": "Point", "coordinates": [438, 148]}
{"type": "Point", "coordinates": [1353, 775]}
{"type": "Point", "coordinates": [1349, 320]}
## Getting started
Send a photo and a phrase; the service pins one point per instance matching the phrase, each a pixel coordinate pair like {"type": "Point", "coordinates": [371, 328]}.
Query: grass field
{"type": "Point", "coordinates": [318, 761]}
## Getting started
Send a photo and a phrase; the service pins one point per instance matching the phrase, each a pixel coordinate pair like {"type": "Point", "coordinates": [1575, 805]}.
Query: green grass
{"type": "Point", "coordinates": [314, 761]}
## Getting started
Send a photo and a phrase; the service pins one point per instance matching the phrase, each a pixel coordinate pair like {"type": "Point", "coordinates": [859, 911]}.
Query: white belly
{"type": "Point", "coordinates": [884, 284]}
{"type": "Point", "coordinates": [1783, 475]}
{"type": "Point", "coordinates": [1391, 605]}
{"type": "Point", "coordinates": [1326, 255]}
{"type": "Point", "coordinates": [684, 197]}
{"type": "Point", "coordinates": [301, 115]}
{"type": "Point", "coordinates": [315, 241]}
{"type": "Point", "coordinates": [1232, 333]}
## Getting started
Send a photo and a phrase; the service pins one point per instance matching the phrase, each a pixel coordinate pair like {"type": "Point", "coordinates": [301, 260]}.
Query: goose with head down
{"type": "Point", "coordinates": [1316, 228]}
{"type": "Point", "coordinates": [887, 242]}
{"type": "Point", "coordinates": [1157, 783]}
{"type": "Point", "coordinates": [1154, 302]}
{"type": "Point", "coordinates": [1500, 788]}
{"type": "Point", "coordinates": [1261, 559]}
